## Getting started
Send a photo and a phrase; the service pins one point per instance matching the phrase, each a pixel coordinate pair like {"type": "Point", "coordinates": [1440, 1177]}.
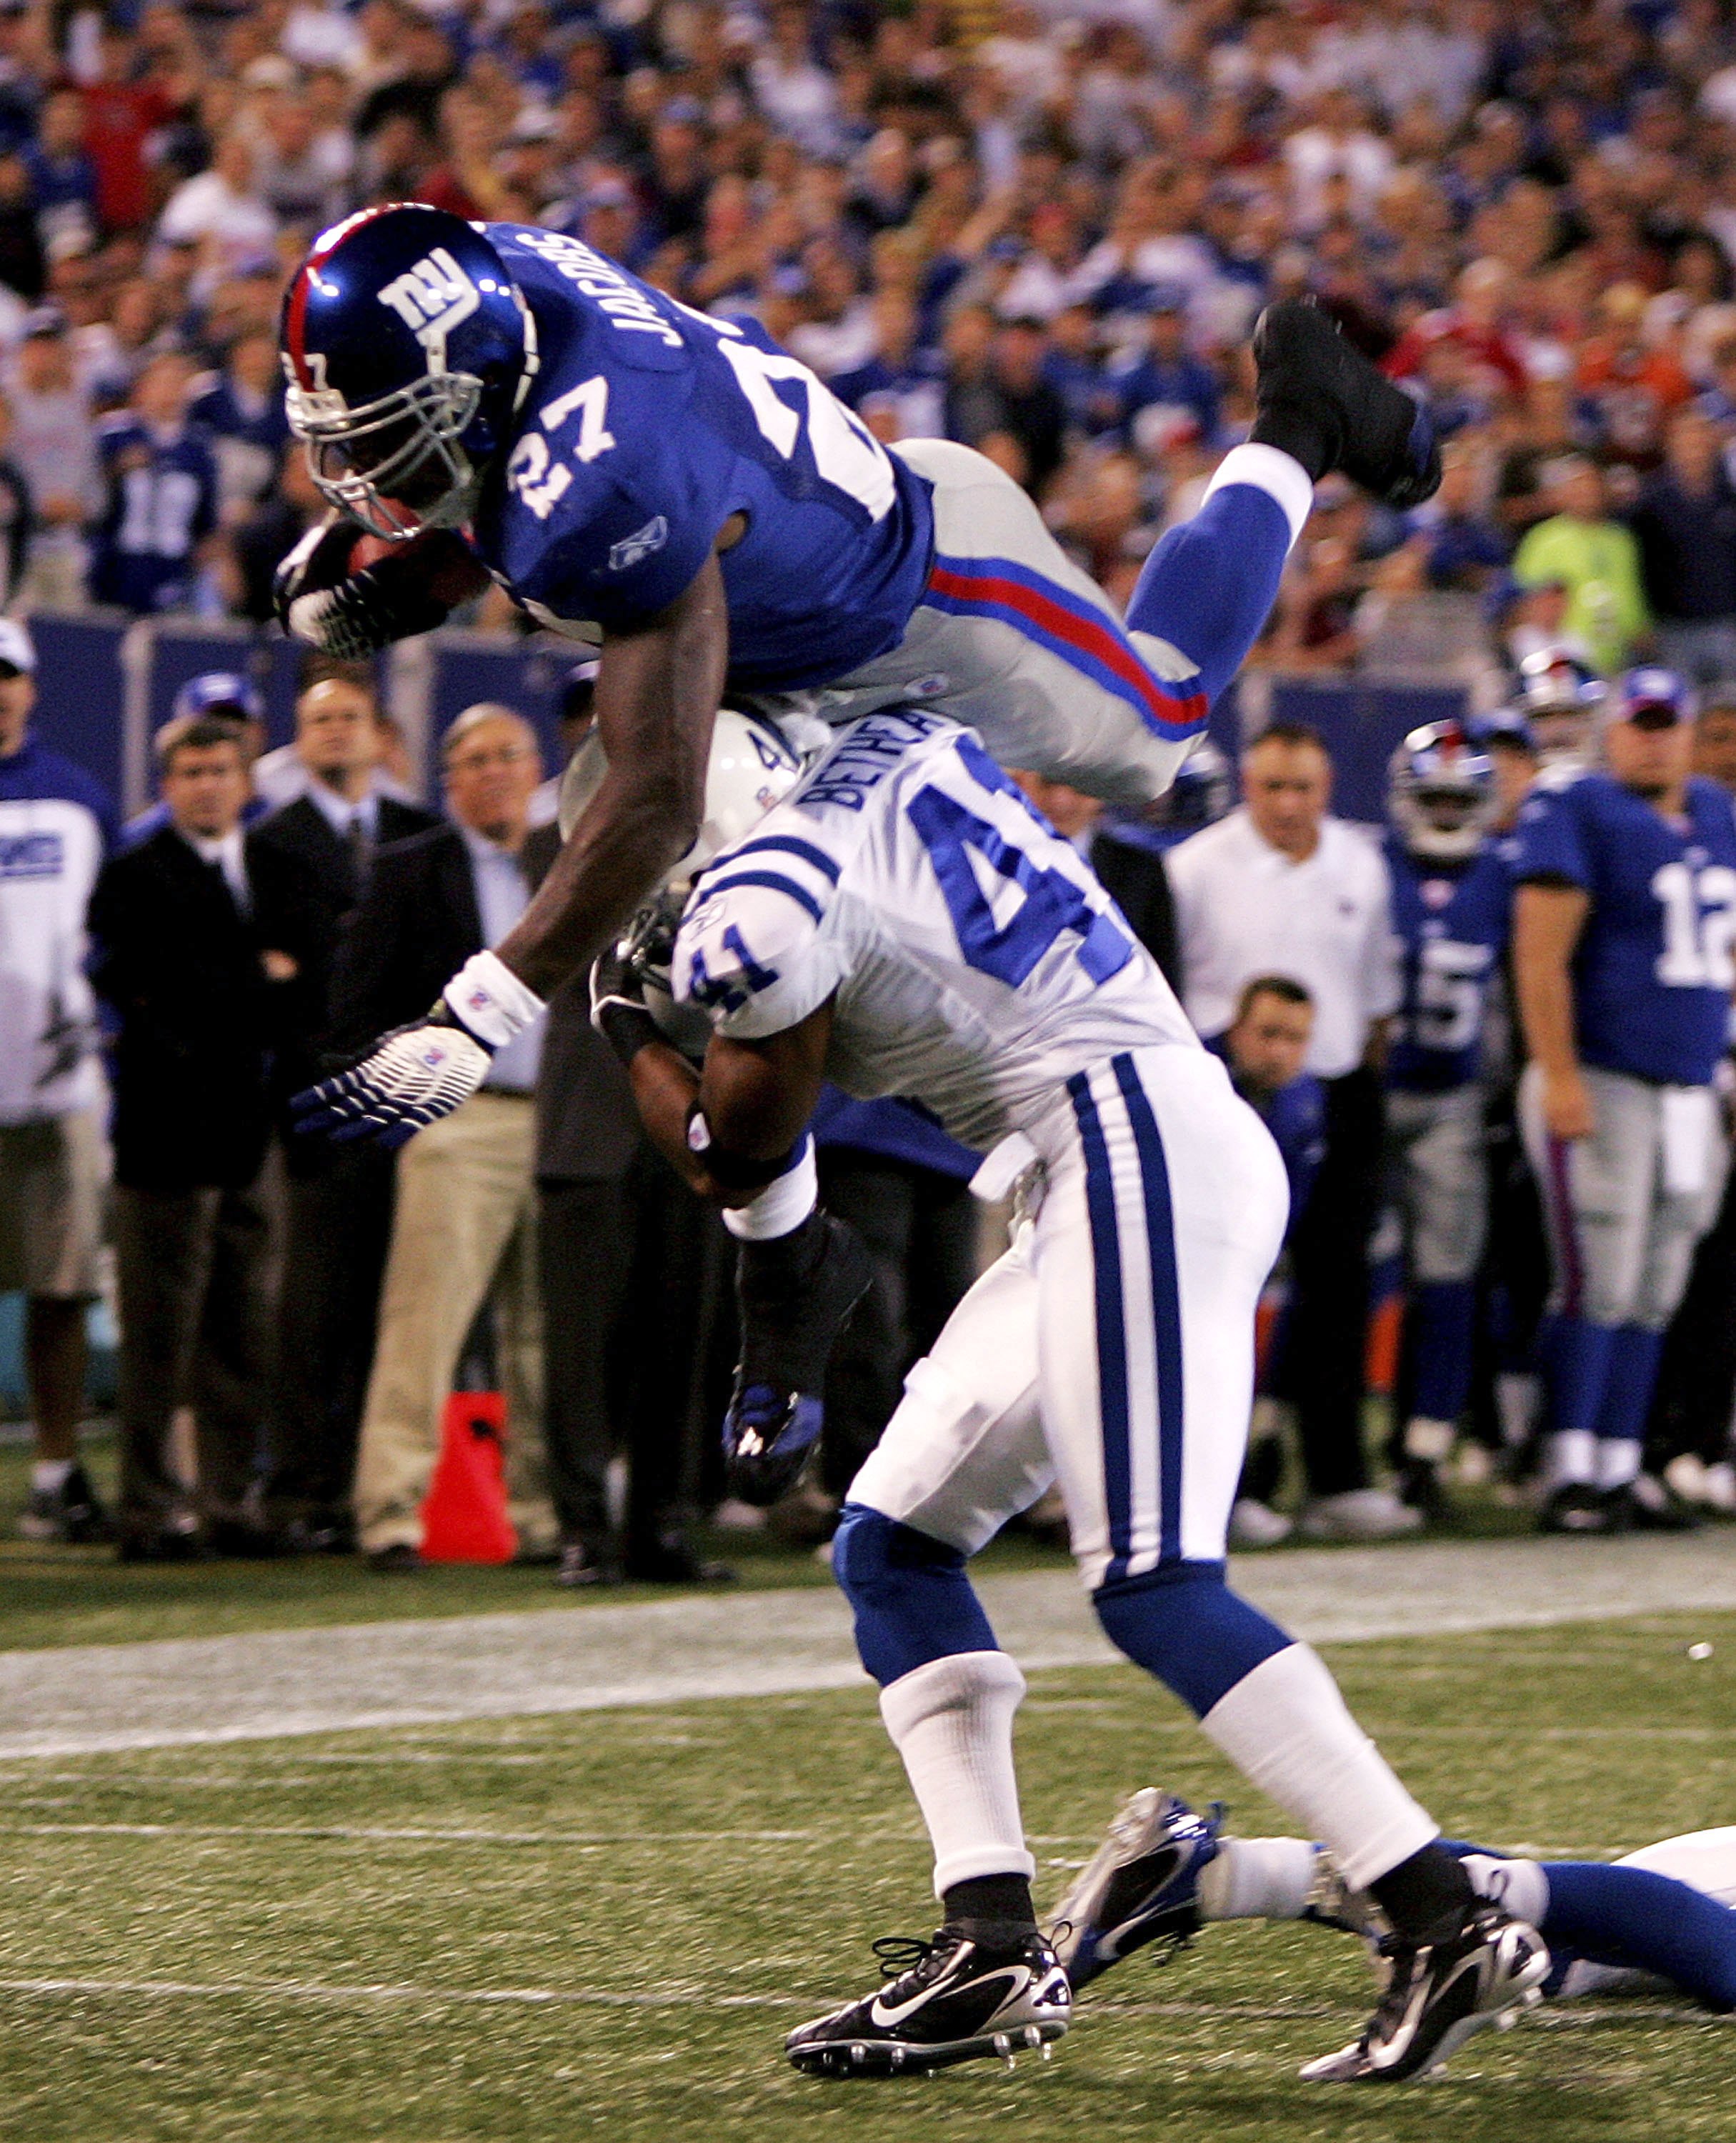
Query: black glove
{"type": "Point", "coordinates": [618, 1010]}
{"type": "Point", "coordinates": [348, 614]}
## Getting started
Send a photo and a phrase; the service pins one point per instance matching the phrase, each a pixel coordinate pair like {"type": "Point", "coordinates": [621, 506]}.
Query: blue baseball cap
{"type": "Point", "coordinates": [219, 692]}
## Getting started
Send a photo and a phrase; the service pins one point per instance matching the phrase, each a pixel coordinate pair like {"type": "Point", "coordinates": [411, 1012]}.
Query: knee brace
{"type": "Point", "coordinates": [909, 1593]}
{"type": "Point", "coordinates": [1183, 1625]}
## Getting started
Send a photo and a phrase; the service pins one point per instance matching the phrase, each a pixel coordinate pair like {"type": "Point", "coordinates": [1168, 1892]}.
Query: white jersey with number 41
{"type": "Point", "coordinates": [977, 963]}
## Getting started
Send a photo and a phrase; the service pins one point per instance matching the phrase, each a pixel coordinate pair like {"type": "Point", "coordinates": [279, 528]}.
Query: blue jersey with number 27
{"type": "Point", "coordinates": [648, 427]}
{"type": "Point", "coordinates": [1452, 925]}
{"type": "Point", "coordinates": [976, 962]}
{"type": "Point", "coordinates": [1653, 971]}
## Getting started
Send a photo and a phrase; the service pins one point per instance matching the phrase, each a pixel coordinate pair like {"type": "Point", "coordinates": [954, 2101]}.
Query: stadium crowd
{"type": "Point", "coordinates": [1044, 231]}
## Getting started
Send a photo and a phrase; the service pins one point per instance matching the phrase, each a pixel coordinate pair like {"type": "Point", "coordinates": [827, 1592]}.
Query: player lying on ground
{"type": "Point", "coordinates": [679, 490]}
{"type": "Point", "coordinates": [903, 922]}
{"type": "Point", "coordinates": [1663, 1916]}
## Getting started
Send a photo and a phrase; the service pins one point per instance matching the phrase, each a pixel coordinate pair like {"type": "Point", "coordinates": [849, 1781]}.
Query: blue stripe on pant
{"type": "Point", "coordinates": [1135, 1414]}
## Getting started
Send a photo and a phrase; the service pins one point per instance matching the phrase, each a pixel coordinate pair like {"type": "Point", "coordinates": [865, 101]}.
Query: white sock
{"type": "Point", "coordinates": [1271, 470]}
{"type": "Point", "coordinates": [784, 1204]}
{"type": "Point", "coordinates": [1517, 1394]}
{"type": "Point", "coordinates": [1519, 1886]}
{"type": "Point", "coordinates": [952, 1722]}
{"type": "Point", "coordinates": [1569, 1455]}
{"type": "Point", "coordinates": [1285, 1727]}
{"type": "Point", "coordinates": [1428, 1439]}
{"type": "Point", "coordinates": [1259, 1879]}
{"type": "Point", "coordinates": [48, 1476]}
{"type": "Point", "coordinates": [1618, 1460]}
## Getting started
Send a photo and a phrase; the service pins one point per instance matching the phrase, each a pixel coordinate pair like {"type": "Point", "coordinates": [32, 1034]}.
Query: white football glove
{"type": "Point", "coordinates": [414, 1076]}
{"type": "Point", "coordinates": [419, 1073]}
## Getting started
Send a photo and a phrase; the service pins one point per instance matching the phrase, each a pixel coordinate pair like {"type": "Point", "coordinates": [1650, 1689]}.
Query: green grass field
{"type": "Point", "coordinates": [602, 1923]}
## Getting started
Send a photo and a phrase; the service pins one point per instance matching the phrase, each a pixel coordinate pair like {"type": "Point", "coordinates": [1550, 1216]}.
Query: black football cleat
{"type": "Point", "coordinates": [71, 1513]}
{"type": "Point", "coordinates": [1140, 1886]}
{"type": "Point", "coordinates": [1438, 1994]}
{"type": "Point", "coordinates": [1575, 1507]}
{"type": "Point", "coordinates": [795, 1295]}
{"type": "Point", "coordinates": [953, 1999]}
{"type": "Point", "coordinates": [1320, 400]}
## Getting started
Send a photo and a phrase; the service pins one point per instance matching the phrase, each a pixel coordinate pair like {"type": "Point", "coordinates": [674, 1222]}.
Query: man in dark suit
{"type": "Point", "coordinates": [337, 1203]}
{"type": "Point", "coordinates": [464, 1221]}
{"type": "Point", "coordinates": [198, 945]}
{"type": "Point", "coordinates": [635, 1277]}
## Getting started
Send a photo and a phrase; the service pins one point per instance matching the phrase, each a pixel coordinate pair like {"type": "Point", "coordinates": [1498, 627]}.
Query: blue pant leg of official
{"type": "Point", "coordinates": [1209, 584]}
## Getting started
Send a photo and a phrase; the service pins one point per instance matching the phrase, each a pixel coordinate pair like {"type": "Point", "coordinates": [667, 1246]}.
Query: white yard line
{"type": "Point", "coordinates": [285, 1682]}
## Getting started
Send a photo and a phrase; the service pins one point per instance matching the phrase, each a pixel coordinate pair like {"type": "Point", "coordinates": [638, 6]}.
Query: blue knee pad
{"type": "Point", "coordinates": [1183, 1624]}
{"type": "Point", "coordinates": [911, 1599]}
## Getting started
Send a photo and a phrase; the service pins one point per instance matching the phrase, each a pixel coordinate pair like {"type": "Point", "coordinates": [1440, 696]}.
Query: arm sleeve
{"type": "Point", "coordinates": [1550, 843]}
{"type": "Point", "coordinates": [1384, 955]}
{"type": "Point", "coordinates": [758, 954]}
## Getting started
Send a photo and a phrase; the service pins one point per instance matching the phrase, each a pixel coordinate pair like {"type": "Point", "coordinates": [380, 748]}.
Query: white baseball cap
{"type": "Point", "coordinates": [17, 646]}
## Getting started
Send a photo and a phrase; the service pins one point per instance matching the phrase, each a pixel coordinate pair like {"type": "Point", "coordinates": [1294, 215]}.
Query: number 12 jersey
{"type": "Point", "coordinates": [1653, 968]}
{"type": "Point", "coordinates": [976, 961]}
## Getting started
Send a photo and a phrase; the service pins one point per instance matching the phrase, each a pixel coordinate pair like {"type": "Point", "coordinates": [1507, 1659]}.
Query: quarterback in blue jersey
{"type": "Point", "coordinates": [503, 401]}
{"type": "Point", "coordinates": [1623, 927]}
{"type": "Point", "coordinates": [1452, 911]}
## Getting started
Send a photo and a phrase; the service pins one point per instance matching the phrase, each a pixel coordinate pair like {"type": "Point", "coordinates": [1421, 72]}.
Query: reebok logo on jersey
{"type": "Point", "coordinates": [31, 855]}
{"type": "Point", "coordinates": [432, 298]}
{"type": "Point", "coordinates": [640, 545]}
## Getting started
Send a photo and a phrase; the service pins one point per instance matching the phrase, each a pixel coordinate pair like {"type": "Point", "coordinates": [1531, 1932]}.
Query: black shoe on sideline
{"type": "Point", "coordinates": [581, 1568]}
{"type": "Point", "coordinates": [1318, 399]}
{"type": "Point", "coordinates": [1575, 1507]}
{"type": "Point", "coordinates": [673, 1562]}
{"type": "Point", "coordinates": [1645, 1505]}
{"type": "Point", "coordinates": [170, 1544]}
{"type": "Point", "coordinates": [71, 1513]}
{"type": "Point", "coordinates": [400, 1560]}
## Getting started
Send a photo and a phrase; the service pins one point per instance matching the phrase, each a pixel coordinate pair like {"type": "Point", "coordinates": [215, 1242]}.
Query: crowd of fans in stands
{"type": "Point", "coordinates": [1043, 229]}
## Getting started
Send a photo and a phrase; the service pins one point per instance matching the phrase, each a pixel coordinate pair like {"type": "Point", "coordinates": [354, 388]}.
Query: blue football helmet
{"type": "Point", "coordinates": [1561, 697]}
{"type": "Point", "coordinates": [222, 692]}
{"type": "Point", "coordinates": [1655, 699]}
{"type": "Point", "coordinates": [1441, 792]}
{"type": "Point", "coordinates": [409, 349]}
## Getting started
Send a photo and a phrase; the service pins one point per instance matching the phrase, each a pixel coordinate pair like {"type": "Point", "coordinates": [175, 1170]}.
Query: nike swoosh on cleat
{"type": "Point", "coordinates": [1017, 1976]}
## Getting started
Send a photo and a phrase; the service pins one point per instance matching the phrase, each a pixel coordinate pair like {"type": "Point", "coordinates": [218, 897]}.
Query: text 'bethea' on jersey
{"type": "Point", "coordinates": [977, 963]}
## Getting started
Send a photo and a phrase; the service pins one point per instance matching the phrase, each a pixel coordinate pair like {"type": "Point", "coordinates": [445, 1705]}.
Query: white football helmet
{"type": "Point", "coordinates": [753, 767]}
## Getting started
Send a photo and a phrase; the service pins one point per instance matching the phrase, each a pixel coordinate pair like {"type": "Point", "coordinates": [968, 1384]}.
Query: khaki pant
{"type": "Point", "coordinates": [465, 1220]}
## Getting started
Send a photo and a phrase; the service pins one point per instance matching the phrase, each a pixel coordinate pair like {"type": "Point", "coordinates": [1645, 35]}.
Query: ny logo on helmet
{"type": "Point", "coordinates": [430, 299]}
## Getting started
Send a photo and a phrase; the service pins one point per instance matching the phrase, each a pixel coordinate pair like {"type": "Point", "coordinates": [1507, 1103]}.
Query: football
{"type": "Point", "coordinates": [450, 569]}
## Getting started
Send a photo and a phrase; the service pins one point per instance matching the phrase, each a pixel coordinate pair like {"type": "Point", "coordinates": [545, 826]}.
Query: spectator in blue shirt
{"type": "Point", "coordinates": [63, 175]}
{"type": "Point", "coordinates": [161, 503]}
{"type": "Point", "coordinates": [242, 408]}
{"type": "Point", "coordinates": [1168, 378]}
{"type": "Point", "coordinates": [1462, 547]}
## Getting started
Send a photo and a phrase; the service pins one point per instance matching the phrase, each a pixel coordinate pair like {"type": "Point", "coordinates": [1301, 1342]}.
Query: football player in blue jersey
{"type": "Point", "coordinates": [1624, 920]}
{"type": "Point", "coordinates": [1664, 1917]}
{"type": "Point", "coordinates": [1560, 697]}
{"type": "Point", "coordinates": [1452, 910]}
{"type": "Point", "coordinates": [503, 401]}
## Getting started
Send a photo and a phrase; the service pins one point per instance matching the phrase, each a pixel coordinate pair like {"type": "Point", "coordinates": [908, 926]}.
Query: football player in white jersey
{"type": "Point", "coordinates": [1662, 1917]}
{"type": "Point", "coordinates": [903, 922]}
